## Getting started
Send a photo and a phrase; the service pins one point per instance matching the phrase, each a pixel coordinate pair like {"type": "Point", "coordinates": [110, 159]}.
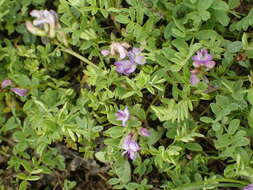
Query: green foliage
{"type": "Point", "coordinates": [64, 134]}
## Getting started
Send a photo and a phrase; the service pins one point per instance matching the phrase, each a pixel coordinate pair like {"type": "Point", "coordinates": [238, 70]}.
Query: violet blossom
{"type": "Point", "coordinates": [19, 91]}
{"type": "Point", "coordinates": [144, 132]}
{"type": "Point", "coordinates": [125, 67]}
{"type": "Point", "coordinates": [203, 58]}
{"type": "Point", "coordinates": [128, 66]}
{"type": "Point", "coordinates": [123, 115]}
{"type": "Point", "coordinates": [6, 83]}
{"type": "Point", "coordinates": [249, 187]}
{"type": "Point", "coordinates": [130, 146]}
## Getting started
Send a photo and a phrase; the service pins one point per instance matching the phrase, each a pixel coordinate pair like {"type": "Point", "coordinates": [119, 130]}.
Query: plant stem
{"type": "Point", "coordinates": [71, 52]}
{"type": "Point", "coordinates": [77, 55]}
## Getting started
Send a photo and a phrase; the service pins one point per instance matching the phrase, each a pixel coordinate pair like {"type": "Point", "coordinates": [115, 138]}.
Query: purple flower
{"type": "Point", "coordinates": [130, 146]}
{"type": "Point", "coordinates": [19, 91]}
{"type": "Point", "coordinates": [105, 52]}
{"type": "Point", "coordinates": [144, 132]}
{"type": "Point", "coordinates": [6, 82]}
{"type": "Point", "coordinates": [203, 58]}
{"type": "Point", "coordinates": [249, 187]}
{"type": "Point", "coordinates": [125, 67]}
{"type": "Point", "coordinates": [136, 57]}
{"type": "Point", "coordinates": [120, 48]}
{"type": "Point", "coordinates": [123, 115]}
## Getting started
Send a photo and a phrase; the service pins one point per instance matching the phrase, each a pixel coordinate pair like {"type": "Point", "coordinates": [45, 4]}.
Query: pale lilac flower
{"type": "Point", "coordinates": [19, 91]}
{"type": "Point", "coordinates": [43, 17]}
{"type": "Point", "coordinates": [194, 79]}
{"type": "Point", "coordinates": [125, 67]}
{"type": "Point", "coordinates": [45, 23]}
{"type": "Point", "coordinates": [105, 52]}
{"type": "Point", "coordinates": [136, 57]}
{"type": "Point", "coordinates": [6, 82]}
{"type": "Point", "coordinates": [123, 115]}
{"type": "Point", "coordinates": [249, 187]}
{"type": "Point", "coordinates": [120, 48]}
{"type": "Point", "coordinates": [144, 132]}
{"type": "Point", "coordinates": [210, 64]}
{"type": "Point", "coordinates": [130, 146]}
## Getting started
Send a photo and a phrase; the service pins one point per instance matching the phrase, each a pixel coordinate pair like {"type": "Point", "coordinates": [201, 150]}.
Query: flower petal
{"type": "Point", "coordinates": [19, 91]}
{"type": "Point", "coordinates": [125, 67]}
{"type": "Point", "coordinates": [6, 82]}
{"type": "Point", "coordinates": [194, 79]}
{"type": "Point", "coordinates": [210, 64]}
{"type": "Point", "coordinates": [105, 52]}
{"type": "Point", "coordinates": [144, 132]}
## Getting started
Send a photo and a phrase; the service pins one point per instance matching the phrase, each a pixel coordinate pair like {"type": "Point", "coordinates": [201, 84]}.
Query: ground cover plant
{"type": "Point", "coordinates": [126, 94]}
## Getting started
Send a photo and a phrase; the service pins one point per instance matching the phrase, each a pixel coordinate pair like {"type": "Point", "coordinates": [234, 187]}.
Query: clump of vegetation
{"type": "Point", "coordinates": [126, 94]}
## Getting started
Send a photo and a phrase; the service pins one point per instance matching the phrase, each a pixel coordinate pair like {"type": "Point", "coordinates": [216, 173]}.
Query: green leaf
{"type": "Point", "coordinates": [220, 5]}
{"type": "Point", "coordinates": [178, 33]}
{"type": "Point", "coordinates": [206, 34]}
{"type": "Point", "coordinates": [101, 156]}
{"type": "Point", "coordinates": [250, 96]}
{"type": "Point", "coordinates": [222, 17]}
{"type": "Point", "coordinates": [206, 119]}
{"type": "Point", "coordinates": [205, 15]}
{"type": "Point", "coordinates": [23, 185]}
{"type": "Point", "coordinates": [115, 131]}
{"type": "Point", "coordinates": [193, 146]}
{"type": "Point", "coordinates": [155, 136]}
{"type": "Point", "coordinates": [124, 171]}
{"type": "Point", "coordinates": [22, 176]}
{"type": "Point", "coordinates": [223, 141]}
{"type": "Point", "coordinates": [26, 165]}
{"type": "Point", "coordinates": [33, 178]}
{"type": "Point", "coordinates": [140, 14]}
{"type": "Point", "coordinates": [123, 19]}
{"type": "Point", "coordinates": [233, 126]}
{"type": "Point", "coordinates": [204, 4]}
{"type": "Point", "coordinates": [113, 181]}
{"type": "Point", "coordinates": [234, 47]}
{"type": "Point", "coordinates": [233, 3]}
{"type": "Point", "coordinates": [216, 126]}
{"type": "Point", "coordinates": [250, 118]}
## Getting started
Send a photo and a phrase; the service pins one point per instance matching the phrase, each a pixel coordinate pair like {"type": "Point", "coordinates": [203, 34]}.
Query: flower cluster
{"type": "Point", "coordinates": [203, 60]}
{"type": "Point", "coordinates": [19, 91]}
{"type": "Point", "coordinates": [46, 25]}
{"type": "Point", "coordinates": [125, 66]}
{"type": "Point", "coordinates": [130, 145]}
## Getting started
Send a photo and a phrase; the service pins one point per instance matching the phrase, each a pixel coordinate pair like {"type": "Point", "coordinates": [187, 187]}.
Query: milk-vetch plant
{"type": "Point", "coordinates": [129, 94]}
